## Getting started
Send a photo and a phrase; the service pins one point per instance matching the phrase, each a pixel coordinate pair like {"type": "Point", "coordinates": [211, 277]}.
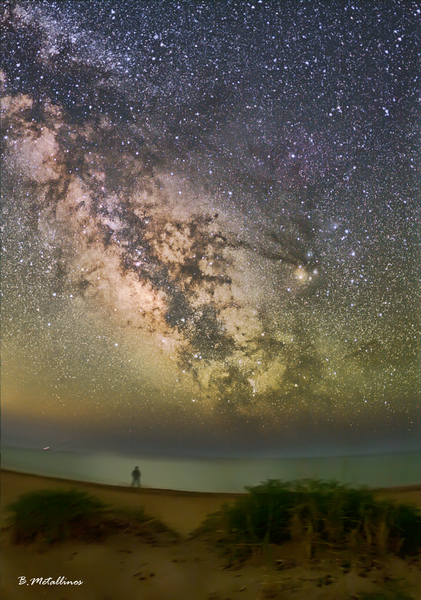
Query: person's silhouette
{"type": "Point", "coordinates": [136, 477]}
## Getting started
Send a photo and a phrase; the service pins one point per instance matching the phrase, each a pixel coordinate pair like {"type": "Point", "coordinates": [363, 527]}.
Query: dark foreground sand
{"type": "Point", "coordinates": [126, 566]}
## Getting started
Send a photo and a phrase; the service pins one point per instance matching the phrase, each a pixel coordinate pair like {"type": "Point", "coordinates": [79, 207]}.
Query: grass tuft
{"type": "Point", "coordinates": [314, 514]}
{"type": "Point", "coordinates": [55, 515]}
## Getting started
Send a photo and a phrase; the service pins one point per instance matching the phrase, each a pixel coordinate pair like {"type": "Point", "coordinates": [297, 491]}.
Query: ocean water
{"type": "Point", "coordinates": [215, 474]}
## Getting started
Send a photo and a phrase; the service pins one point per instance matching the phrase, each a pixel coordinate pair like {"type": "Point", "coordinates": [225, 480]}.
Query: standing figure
{"type": "Point", "coordinates": [136, 477]}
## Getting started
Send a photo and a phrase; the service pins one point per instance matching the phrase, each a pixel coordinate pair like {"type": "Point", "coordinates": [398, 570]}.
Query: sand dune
{"type": "Point", "coordinates": [126, 566]}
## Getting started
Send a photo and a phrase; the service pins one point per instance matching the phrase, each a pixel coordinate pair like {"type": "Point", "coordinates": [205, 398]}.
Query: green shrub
{"type": "Point", "coordinates": [55, 515]}
{"type": "Point", "coordinates": [407, 528]}
{"type": "Point", "coordinates": [315, 513]}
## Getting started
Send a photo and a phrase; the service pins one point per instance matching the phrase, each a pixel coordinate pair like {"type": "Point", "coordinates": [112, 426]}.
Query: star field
{"type": "Point", "coordinates": [211, 225]}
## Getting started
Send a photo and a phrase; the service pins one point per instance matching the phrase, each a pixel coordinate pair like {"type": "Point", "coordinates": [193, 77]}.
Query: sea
{"type": "Point", "coordinates": [231, 475]}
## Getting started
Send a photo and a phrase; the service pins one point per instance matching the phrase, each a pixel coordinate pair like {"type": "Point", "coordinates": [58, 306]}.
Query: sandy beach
{"type": "Point", "coordinates": [130, 567]}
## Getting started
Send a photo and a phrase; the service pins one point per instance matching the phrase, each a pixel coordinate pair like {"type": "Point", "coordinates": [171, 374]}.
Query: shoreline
{"type": "Point", "coordinates": [175, 492]}
{"type": "Point", "coordinates": [128, 488]}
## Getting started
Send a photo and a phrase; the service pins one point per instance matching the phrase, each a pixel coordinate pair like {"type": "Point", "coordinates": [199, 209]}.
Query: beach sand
{"type": "Point", "coordinates": [127, 566]}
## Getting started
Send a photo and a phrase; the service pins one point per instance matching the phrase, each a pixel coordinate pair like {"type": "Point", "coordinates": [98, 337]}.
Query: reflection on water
{"type": "Point", "coordinates": [216, 475]}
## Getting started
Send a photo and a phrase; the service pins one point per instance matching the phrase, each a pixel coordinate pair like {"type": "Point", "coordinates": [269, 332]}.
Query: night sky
{"type": "Point", "coordinates": [211, 226]}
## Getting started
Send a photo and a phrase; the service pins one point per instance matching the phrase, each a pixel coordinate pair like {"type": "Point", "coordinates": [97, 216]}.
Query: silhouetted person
{"type": "Point", "coordinates": [136, 477]}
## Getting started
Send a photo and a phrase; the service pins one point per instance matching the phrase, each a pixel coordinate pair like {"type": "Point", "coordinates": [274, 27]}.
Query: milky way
{"type": "Point", "coordinates": [211, 225]}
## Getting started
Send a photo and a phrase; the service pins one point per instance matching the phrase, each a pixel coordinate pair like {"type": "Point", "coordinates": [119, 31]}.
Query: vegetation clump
{"type": "Point", "coordinates": [57, 515]}
{"type": "Point", "coordinates": [315, 514]}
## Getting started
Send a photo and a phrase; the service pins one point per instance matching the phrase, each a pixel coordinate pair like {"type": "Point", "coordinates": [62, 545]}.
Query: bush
{"type": "Point", "coordinates": [407, 528]}
{"type": "Point", "coordinates": [315, 513]}
{"type": "Point", "coordinates": [55, 515]}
